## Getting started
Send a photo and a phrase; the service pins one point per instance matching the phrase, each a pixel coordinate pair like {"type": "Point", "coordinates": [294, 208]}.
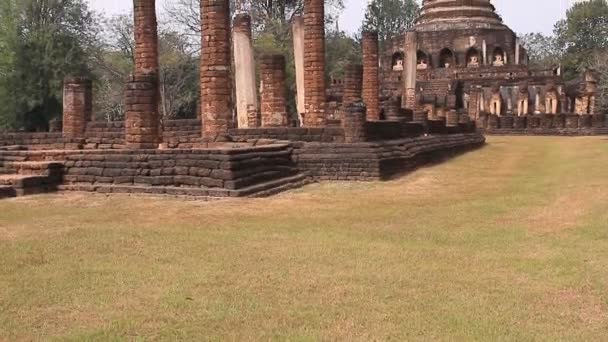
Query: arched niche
{"type": "Point", "coordinates": [397, 61]}
{"type": "Point", "coordinates": [498, 57]}
{"type": "Point", "coordinates": [423, 61]}
{"type": "Point", "coordinates": [473, 57]}
{"type": "Point", "coordinates": [446, 58]}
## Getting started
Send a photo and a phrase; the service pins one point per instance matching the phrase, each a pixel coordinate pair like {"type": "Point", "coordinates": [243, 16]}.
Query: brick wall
{"type": "Point", "coordinates": [376, 161]}
{"type": "Point", "coordinates": [544, 124]}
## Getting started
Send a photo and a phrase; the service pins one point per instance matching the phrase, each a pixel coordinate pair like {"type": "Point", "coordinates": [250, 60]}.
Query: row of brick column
{"type": "Point", "coordinates": [216, 85]}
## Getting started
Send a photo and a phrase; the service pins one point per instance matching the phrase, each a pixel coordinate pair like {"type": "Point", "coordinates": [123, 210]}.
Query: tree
{"type": "Point", "coordinates": [390, 17]}
{"type": "Point", "coordinates": [52, 40]}
{"type": "Point", "coordinates": [542, 50]}
{"type": "Point", "coordinates": [114, 60]}
{"type": "Point", "coordinates": [581, 34]}
{"type": "Point", "coordinates": [599, 63]}
{"type": "Point", "coordinates": [8, 41]}
{"type": "Point", "coordinates": [341, 50]}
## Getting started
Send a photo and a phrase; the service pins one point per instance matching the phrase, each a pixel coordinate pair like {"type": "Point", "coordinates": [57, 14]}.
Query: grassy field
{"type": "Point", "coordinates": [509, 242]}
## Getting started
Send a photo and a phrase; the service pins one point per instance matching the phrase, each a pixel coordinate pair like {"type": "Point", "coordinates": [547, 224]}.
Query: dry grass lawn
{"type": "Point", "coordinates": [509, 242]}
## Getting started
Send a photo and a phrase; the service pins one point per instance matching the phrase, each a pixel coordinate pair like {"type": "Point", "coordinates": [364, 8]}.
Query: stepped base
{"type": "Point", "coordinates": [7, 192]}
{"type": "Point", "coordinates": [259, 190]}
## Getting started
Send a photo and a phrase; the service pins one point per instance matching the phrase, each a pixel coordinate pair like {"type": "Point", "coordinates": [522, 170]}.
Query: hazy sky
{"type": "Point", "coordinates": [521, 15]}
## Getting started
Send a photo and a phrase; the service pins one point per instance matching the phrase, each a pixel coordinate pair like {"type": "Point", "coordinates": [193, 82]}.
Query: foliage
{"type": "Point", "coordinates": [114, 62]}
{"type": "Point", "coordinates": [541, 49]}
{"type": "Point", "coordinates": [581, 34]}
{"type": "Point", "coordinates": [52, 41]}
{"type": "Point", "coordinates": [390, 18]}
{"type": "Point", "coordinates": [341, 49]}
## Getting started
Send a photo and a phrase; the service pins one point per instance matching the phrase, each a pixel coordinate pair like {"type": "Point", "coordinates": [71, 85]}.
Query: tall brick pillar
{"type": "Point", "coordinates": [146, 37]}
{"type": "Point", "coordinates": [215, 77]}
{"type": "Point", "coordinates": [298, 54]}
{"type": "Point", "coordinates": [353, 82]}
{"type": "Point", "coordinates": [371, 87]}
{"type": "Point", "coordinates": [273, 103]}
{"type": "Point", "coordinates": [142, 121]}
{"type": "Point", "coordinates": [409, 70]}
{"type": "Point", "coordinates": [244, 70]}
{"type": "Point", "coordinates": [77, 105]}
{"type": "Point", "coordinates": [314, 63]}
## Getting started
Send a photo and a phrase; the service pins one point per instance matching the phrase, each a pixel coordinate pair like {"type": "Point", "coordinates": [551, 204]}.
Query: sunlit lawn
{"type": "Point", "coordinates": [508, 242]}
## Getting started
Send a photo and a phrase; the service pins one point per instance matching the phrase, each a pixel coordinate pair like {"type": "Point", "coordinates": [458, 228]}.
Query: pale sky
{"type": "Point", "coordinates": [522, 16]}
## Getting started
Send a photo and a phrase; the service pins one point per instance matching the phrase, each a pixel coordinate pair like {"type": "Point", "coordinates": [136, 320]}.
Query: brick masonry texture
{"type": "Point", "coordinates": [273, 89]}
{"type": "Point", "coordinates": [215, 73]}
{"type": "Point", "coordinates": [353, 82]}
{"type": "Point", "coordinates": [371, 86]}
{"type": "Point", "coordinates": [142, 120]}
{"type": "Point", "coordinates": [314, 63]}
{"type": "Point", "coordinates": [382, 160]}
{"type": "Point", "coordinates": [354, 123]}
{"type": "Point", "coordinates": [544, 124]}
{"type": "Point", "coordinates": [77, 105]}
{"type": "Point", "coordinates": [146, 37]}
{"type": "Point", "coordinates": [223, 172]}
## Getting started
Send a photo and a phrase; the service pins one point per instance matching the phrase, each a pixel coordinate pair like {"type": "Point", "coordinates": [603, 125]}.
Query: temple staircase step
{"type": "Point", "coordinates": [262, 189]}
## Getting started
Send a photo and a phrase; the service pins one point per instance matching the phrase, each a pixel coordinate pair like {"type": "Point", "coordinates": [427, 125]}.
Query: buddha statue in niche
{"type": "Point", "coordinates": [498, 60]}
{"type": "Point", "coordinates": [398, 66]}
{"type": "Point", "coordinates": [473, 61]}
{"type": "Point", "coordinates": [422, 64]}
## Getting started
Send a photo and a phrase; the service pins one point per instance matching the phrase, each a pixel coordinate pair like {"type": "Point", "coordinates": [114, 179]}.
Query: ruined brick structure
{"type": "Point", "coordinates": [459, 66]}
{"type": "Point", "coordinates": [245, 78]}
{"type": "Point", "coordinates": [77, 105]}
{"type": "Point", "coordinates": [460, 56]}
{"type": "Point", "coordinates": [142, 120]}
{"type": "Point", "coordinates": [141, 112]}
{"type": "Point", "coordinates": [146, 37]}
{"type": "Point", "coordinates": [371, 88]}
{"type": "Point", "coordinates": [273, 88]}
{"type": "Point", "coordinates": [314, 63]}
{"type": "Point", "coordinates": [216, 66]}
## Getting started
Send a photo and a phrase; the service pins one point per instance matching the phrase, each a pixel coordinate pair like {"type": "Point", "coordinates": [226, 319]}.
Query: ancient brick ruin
{"type": "Point", "coordinates": [460, 56]}
{"type": "Point", "coordinates": [458, 73]}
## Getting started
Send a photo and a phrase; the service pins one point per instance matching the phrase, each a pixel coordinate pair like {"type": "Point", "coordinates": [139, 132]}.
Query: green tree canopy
{"type": "Point", "coordinates": [47, 40]}
{"type": "Point", "coordinates": [582, 34]}
{"type": "Point", "coordinates": [390, 17]}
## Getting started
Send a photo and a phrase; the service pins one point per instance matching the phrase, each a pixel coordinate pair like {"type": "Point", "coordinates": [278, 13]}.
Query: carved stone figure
{"type": "Point", "coordinates": [473, 61]}
{"type": "Point", "coordinates": [496, 101]}
{"type": "Point", "coordinates": [498, 60]}
{"type": "Point", "coordinates": [523, 100]}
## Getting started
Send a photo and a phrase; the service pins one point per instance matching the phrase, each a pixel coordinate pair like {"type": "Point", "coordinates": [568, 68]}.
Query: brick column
{"type": "Point", "coordinates": [371, 87]}
{"type": "Point", "coordinates": [142, 121]}
{"type": "Point", "coordinates": [77, 105]}
{"type": "Point", "coordinates": [298, 55]}
{"type": "Point", "coordinates": [273, 103]}
{"type": "Point", "coordinates": [244, 70]}
{"type": "Point", "coordinates": [353, 81]}
{"type": "Point", "coordinates": [314, 63]}
{"type": "Point", "coordinates": [146, 37]}
{"type": "Point", "coordinates": [409, 70]}
{"type": "Point", "coordinates": [354, 122]}
{"type": "Point", "coordinates": [215, 77]}
{"type": "Point", "coordinates": [141, 116]}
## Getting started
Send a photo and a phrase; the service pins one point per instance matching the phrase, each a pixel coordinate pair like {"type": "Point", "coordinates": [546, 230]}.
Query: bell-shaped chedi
{"type": "Point", "coordinates": [458, 14]}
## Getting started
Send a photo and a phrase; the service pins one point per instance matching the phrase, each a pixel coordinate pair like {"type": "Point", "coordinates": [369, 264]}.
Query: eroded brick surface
{"type": "Point", "coordinates": [215, 73]}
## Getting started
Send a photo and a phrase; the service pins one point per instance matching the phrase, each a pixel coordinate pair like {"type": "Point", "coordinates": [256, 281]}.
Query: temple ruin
{"type": "Point", "coordinates": [461, 56]}
{"type": "Point", "coordinates": [432, 93]}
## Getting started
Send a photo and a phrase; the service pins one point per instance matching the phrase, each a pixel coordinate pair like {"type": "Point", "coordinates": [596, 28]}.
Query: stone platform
{"type": "Point", "coordinates": [211, 173]}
